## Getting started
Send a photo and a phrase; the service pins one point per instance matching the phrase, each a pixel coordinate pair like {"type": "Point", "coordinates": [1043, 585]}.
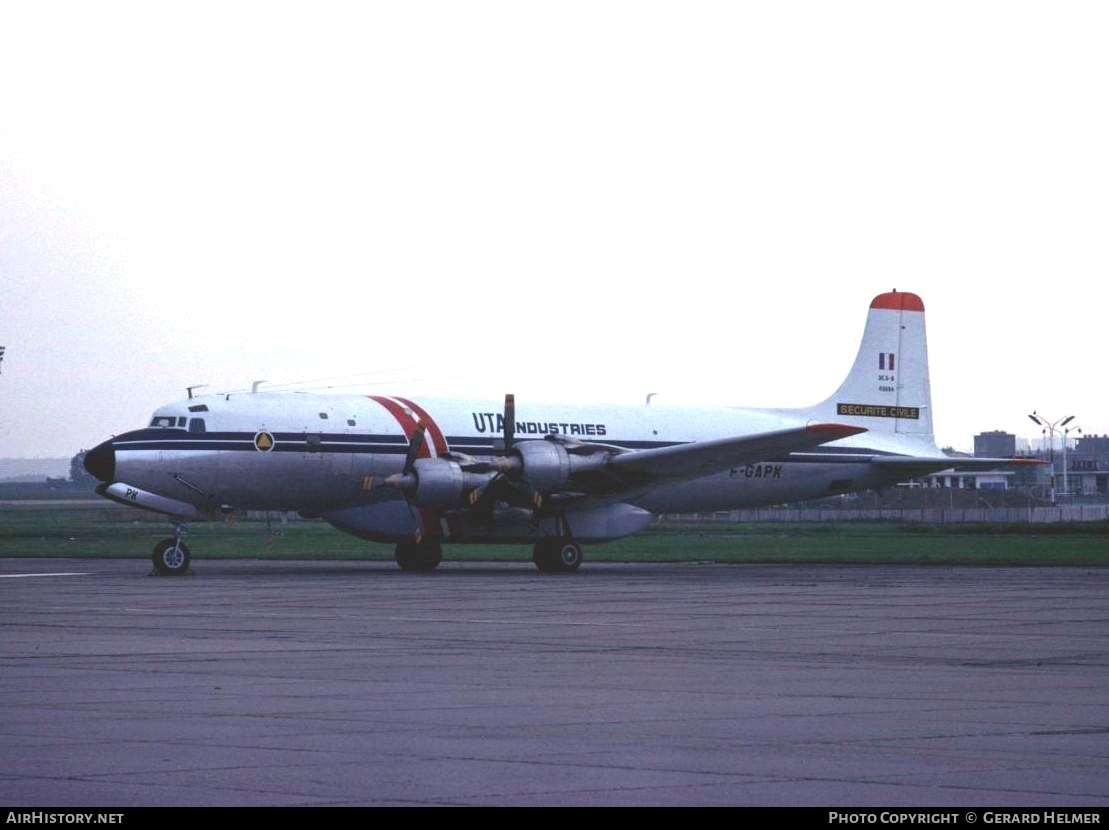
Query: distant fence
{"type": "Point", "coordinates": [923, 515]}
{"type": "Point", "coordinates": [950, 515]}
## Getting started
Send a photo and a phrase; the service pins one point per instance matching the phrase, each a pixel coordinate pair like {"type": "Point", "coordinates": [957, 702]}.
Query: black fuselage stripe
{"type": "Point", "coordinates": [323, 443]}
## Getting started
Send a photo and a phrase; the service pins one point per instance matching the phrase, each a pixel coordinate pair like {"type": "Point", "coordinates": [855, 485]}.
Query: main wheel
{"type": "Point", "coordinates": [424, 556]}
{"type": "Point", "coordinates": [557, 555]}
{"type": "Point", "coordinates": [171, 557]}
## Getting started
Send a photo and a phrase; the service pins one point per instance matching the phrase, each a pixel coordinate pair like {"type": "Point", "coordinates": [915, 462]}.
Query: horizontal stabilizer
{"type": "Point", "coordinates": [914, 466]}
{"type": "Point", "coordinates": [707, 457]}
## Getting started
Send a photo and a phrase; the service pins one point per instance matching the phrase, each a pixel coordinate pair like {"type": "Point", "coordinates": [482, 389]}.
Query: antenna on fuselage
{"type": "Point", "coordinates": [254, 386]}
{"type": "Point", "coordinates": [649, 396]}
{"type": "Point", "coordinates": [190, 389]}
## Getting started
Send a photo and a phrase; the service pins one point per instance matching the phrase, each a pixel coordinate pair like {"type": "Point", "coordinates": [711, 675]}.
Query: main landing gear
{"type": "Point", "coordinates": [171, 556]}
{"type": "Point", "coordinates": [554, 555]}
{"type": "Point", "coordinates": [557, 555]}
{"type": "Point", "coordinates": [418, 556]}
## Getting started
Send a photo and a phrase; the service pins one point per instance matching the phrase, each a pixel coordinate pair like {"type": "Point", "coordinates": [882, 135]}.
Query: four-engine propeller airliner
{"type": "Point", "coordinates": [423, 473]}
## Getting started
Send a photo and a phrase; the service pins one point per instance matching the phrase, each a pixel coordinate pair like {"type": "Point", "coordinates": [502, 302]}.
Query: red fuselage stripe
{"type": "Point", "coordinates": [430, 521]}
{"type": "Point", "coordinates": [406, 421]}
{"type": "Point", "coordinates": [433, 430]}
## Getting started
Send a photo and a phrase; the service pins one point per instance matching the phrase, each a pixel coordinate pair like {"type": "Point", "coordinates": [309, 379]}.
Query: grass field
{"type": "Point", "coordinates": [87, 531]}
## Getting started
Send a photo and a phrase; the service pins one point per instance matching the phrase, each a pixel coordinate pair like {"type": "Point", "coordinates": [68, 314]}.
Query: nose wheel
{"type": "Point", "coordinates": [171, 556]}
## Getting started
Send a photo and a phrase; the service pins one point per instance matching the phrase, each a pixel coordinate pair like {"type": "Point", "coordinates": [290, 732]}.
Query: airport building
{"type": "Point", "coordinates": [995, 444]}
{"type": "Point", "coordinates": [1087, 467]}
{"type": "Point", "coordinates": [1081, 469]}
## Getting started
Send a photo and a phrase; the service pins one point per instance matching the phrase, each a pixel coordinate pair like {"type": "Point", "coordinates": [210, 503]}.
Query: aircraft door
{"type": "Point", "coordinates": [327, 467]}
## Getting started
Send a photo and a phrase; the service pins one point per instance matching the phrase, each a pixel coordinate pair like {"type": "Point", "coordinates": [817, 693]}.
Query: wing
{"type": "Point", "coordinates": [560, 469]}
{"type": "Point", "coordinates": [702, 458]}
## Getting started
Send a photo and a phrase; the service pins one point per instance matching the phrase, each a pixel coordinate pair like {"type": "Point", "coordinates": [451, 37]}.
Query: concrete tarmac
{"type": "Point", "coordinates": [276, 683]}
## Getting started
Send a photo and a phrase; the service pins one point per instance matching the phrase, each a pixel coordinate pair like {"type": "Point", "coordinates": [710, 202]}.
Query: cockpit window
{"type": "Point", "coordinates": [196, 425]}
{"type": "Point", "coordinates": [168, 422]}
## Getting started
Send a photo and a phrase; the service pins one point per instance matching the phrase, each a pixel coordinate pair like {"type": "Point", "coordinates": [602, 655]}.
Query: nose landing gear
{"type": "Point", "coordinates": [171, 556]}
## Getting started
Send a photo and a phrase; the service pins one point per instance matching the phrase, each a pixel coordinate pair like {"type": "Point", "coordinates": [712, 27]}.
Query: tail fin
{"type": "Point", "coordinates": [887, 389]}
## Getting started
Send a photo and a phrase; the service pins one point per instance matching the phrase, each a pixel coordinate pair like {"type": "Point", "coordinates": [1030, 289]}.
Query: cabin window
{"type": "Point", "coordinates": [350, 422]}
{"type": "Point", "coordinates": [323, 415]}
{"type": "Point", "coordinates": [197, 425]}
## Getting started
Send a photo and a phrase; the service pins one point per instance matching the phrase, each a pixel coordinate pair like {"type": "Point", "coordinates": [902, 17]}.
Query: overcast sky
{"type": "Point", "coordinates": [572, 200]}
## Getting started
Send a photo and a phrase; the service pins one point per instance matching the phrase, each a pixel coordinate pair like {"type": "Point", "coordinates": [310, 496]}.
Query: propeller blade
{"type": "Point", "coordinates": [482, 500]}
{"type": "Point", "coordinates": [509, 422]}
{"type": "Point", "coordinates": [478, 492]}
{"type": "Point", "coordinates": [414, 447]}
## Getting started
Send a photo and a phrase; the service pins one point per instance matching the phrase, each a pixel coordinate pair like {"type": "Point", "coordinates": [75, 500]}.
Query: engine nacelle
{"type": "Point", "coordinates": [438, 483]}
{"type": "Point", "coordinates": [441, 483]}
{"type": "Point", "coordinates": [544, 465]}
{"type": "Point", "coordinates": [549, 467]}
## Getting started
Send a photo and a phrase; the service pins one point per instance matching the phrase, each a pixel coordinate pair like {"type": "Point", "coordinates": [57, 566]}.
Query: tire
{"type": "Point", "coordinates": [542, 556]}
{"type": "Point", "coordinates": [557, 555]}
{"type": "Point", "coordinates": [425, 556]}
{"type": "Point", "coordinates": [171, 558]}
{"type": "Point", "coordinates": [568, 556]}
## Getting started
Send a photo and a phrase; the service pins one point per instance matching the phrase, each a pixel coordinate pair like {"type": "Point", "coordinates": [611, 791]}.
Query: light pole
{"type": "Point", "coordinates": [1049, 430]}
{"type": "Point", "coordinates": [1066, 432]}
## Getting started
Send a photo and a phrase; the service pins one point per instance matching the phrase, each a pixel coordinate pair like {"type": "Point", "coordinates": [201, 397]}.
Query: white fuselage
{"type": "Point", "coordinates": [328, 454]}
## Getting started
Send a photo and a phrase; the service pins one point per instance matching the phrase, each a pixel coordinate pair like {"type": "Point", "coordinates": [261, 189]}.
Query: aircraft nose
{"type": "Point", "coordinates": [100, 461]}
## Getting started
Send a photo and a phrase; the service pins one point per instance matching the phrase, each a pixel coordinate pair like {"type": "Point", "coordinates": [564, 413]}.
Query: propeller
{"type": "Point", "coordinates": [504, 482]}
{"type": "Point", "coordinates": [483, 498]}
{"type": "Point", "coordinates": [415, 444]}
{"type": "Point", "coordinates": [406, 480]}
{"type": "Point", "coordinates": [503, 485]}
